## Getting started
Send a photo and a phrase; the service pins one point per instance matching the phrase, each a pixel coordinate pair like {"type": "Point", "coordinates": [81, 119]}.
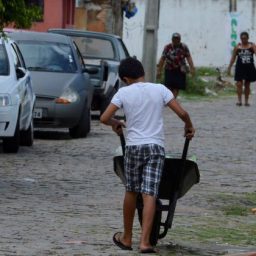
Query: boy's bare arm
{"type": "Point", "coordinates": [107, 118]}
{"type": "Point", "coordinates": [184, 116]}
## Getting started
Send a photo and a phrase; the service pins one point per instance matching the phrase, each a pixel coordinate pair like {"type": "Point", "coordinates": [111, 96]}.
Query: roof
{"type": "Point", "coordinates": [5, 39]}
{"type": "Point", "coordinates": [39, 36]}
{"type": "Point", "coordinates": [85, 32]}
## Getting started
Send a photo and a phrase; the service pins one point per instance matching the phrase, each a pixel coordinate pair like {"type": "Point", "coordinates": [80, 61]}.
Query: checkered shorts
{"type": "Point", "coordinates": [143, 168]}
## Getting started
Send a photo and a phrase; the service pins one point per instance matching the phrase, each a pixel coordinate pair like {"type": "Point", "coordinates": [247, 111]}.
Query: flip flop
{"type": "Point", "coordinates": [118, 243]}
{"type": "Point", "coordinates": [247, 105]}
{"type": "Point", "coordinates": [239, 104]}
{"type": "Point", "coordinates": [149, 250]}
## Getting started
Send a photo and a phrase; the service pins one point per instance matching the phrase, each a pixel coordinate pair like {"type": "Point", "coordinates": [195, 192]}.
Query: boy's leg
{"type": "Point", "coordinates": [152, 172]}
{"type": "Point", "coordinates": [149, 203]}
{"type": "Point", "coordinates": [129, 208]}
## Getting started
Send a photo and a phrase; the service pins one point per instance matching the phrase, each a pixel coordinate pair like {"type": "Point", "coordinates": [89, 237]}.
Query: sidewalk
{"type": "Point", "coordinates": [62, 198]}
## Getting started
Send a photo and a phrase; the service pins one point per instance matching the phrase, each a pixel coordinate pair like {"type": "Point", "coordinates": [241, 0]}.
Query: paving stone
{"type": "Point", "coordinates": [61, 197]}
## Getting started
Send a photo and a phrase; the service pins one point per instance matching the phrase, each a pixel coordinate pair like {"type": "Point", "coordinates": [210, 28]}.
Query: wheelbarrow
{"type": "Point", "coordinates": [179, 175]}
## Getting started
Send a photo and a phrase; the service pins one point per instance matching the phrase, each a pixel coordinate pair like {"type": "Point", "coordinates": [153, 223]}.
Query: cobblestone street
{"type": "Point", "coordinates": [61, 197]}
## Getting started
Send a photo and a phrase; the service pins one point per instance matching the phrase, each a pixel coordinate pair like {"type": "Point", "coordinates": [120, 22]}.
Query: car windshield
{"type": "Point", "coordinates": [48, 56]}
{"type": "Point", "coordinates": [95, 47]}
{"type": "Point", "coordinates": [4, 63]}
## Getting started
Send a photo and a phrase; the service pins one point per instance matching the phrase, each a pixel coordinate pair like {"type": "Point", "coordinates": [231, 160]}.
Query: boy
{"type": "Point", "coordinates": [142, 103]}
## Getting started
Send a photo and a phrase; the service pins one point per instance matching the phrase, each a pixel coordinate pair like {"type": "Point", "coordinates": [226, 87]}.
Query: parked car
{"type": "Point", "coordinates": [60, 81]}
{"type": "Point", "coordinates": [16, 98]}
{"type": "Point", "coordinates": [104, 52]}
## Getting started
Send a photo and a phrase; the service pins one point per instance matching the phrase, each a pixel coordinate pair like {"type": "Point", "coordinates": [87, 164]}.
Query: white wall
{"type": "Point", "coordinates": [203, 25]}
{"type": "Point", "coordinates": [133, 30]}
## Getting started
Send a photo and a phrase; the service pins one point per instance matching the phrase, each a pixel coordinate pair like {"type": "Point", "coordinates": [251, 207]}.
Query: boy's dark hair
{"type": "Point", "coordinates": [131, 67]}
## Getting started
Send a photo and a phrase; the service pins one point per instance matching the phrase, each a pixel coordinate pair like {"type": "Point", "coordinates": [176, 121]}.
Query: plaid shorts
{"type": "Point", "coordinates": [143, 168]}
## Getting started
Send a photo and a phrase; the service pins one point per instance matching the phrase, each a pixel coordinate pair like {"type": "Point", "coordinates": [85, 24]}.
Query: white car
{"type": "Point", "coordinates": [16, 98]}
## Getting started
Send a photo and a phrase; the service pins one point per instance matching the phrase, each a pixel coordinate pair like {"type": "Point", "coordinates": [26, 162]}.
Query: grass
{"type": "Point", "coordinates": [207, 71]}
{"type": "Point", "coordinates": [239, 205]}
{"type": "Point", "coordinates": [198, 87]}
{"type": "Point", "coordinates": [228, 221]}
{"type": "Point", "coordinates": [235, 210]}
{"type": "Point", "coordinates": [217, 232]}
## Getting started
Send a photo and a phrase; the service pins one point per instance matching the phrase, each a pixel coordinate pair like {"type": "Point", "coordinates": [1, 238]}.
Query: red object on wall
{"type": "Point", "coordinates": [57, 14]}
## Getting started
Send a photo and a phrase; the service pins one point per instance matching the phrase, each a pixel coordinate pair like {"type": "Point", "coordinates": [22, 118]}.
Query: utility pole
{"type": "Point", "coordinates": [232, 5]}
{"type": "Point", "coordinates": [150, 39]}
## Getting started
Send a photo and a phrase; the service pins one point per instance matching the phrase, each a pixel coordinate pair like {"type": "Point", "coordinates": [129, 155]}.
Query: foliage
{"type": "Point", "coordinates": [206, 71]}
{"type": "Point", "coordinates": [236, 210]}
{"type": "Point", "coordinates": [195, 85]}
{"type": "Point", "coordinates": [18, 13]}
{"type": "Point", "coordinates": [205, 84]}
{"type": "Point", "coordinates": [227, 220]}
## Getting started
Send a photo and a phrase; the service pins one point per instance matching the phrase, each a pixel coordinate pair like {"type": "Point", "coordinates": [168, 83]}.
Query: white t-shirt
{"type": "Point", "coordinates": [143, 105]}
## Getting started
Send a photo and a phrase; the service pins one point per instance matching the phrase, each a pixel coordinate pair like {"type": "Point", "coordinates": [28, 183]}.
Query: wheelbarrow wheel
{"type": "Point", "coordinates": [157, 219]}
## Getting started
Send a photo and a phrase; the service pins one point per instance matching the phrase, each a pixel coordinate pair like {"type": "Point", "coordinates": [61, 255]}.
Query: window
{"type": "Point", "coordinates": [48, 56]}
{"type": "Point", "coordinates": [95, 48]}
{"type": "Point", "coordinates": [4, 63]}
{"type": "Point", "coordinates": [80, 57]}
{"type": "Point", "coordinates": [16, 59]}
{"type": "Point", "coordinates": [122, 50]}
{"type": "Point", "coordinates": [19, 55]}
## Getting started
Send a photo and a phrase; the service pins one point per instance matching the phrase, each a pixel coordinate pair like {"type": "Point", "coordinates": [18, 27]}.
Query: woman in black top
{"type": "Point", "coordinates": [245, 71]}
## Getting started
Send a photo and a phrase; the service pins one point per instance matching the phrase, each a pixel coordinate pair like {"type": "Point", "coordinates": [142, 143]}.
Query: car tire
{"type": "Point", "coordinates": [11, 145]}
{"type": "Point", "coordinates": [84, 126]}
{"type": "Point", "coordinates": [27, 136]}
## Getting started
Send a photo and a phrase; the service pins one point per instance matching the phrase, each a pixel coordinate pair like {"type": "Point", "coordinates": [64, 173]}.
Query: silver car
{"type": "Point", "coordinates": [16, 98]}
{"type": "Point", "coordinates": [60, 81]}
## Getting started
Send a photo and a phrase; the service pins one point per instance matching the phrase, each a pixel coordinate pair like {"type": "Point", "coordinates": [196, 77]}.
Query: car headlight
{"type": "Point", "coordinates": [67, 97]}
{"type": "Point", "coordinates": [5, 100]}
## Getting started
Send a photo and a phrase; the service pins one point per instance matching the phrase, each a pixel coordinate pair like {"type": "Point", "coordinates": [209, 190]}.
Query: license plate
{"type": "Point", "coordinates": [38, 113]}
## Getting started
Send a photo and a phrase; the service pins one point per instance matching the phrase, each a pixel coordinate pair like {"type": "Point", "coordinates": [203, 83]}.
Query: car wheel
{"type": "Point", "coordinates": [11, 145]}
{"type": "Point", "coordinates": [27, 137]}
{"type": "Point", "coordinates": [84, 125]}
{"type": "Point", "coordinates": [106, 100]}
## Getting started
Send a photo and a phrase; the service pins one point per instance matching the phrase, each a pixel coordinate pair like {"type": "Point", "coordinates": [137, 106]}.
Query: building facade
{"type": "Point", "coordinates": [56, 14]}
{"type": "Point", "coordinates": [209, 27]}
{"type": "Point", "coordinates": [99, 15]}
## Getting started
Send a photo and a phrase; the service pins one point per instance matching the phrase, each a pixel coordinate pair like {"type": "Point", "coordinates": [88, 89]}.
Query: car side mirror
{"type": "Point", "coordinates": [91, 71]}
{"type": "Point", "coordinates": [20, 72]}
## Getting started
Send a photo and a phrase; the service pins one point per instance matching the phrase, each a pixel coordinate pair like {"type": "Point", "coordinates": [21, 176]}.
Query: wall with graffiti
{"type": "Point", "coordinates": [207, 26]}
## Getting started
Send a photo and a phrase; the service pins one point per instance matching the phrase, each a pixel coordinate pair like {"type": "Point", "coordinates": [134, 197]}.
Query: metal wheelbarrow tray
{"type": "Point", "coordinates": [178, 176]}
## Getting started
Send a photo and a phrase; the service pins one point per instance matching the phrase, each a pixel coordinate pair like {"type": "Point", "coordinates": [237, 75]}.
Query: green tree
{"type": "Point", "coordinates": [18, 13]}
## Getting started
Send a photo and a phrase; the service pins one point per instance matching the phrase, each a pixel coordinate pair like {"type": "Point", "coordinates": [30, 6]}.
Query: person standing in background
{"type": "Point", "coordinates": [245, 71]}
{"type": "Point", "coordinates": [173, 60]}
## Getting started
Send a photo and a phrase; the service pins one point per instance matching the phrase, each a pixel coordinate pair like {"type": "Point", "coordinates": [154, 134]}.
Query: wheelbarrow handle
{"type": "Point", "coordinates": [185, 150]}
{"type": "Point", "coordinates": [182, 164]}
{"type": "Point", "coordinates": [122, 139]}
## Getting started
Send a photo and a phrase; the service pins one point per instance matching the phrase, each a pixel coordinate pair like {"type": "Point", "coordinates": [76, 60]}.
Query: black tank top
{"type": "Point", "coordinates": [244, 56]}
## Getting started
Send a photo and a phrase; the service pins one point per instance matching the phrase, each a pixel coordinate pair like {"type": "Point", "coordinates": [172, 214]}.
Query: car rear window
{"type": "Point", "coordinates": [122, 50]}
{"type": "Point", "coordinates": [95, 47]}
{"type": "Point", "coordinates": [4, 63]}
{"type": "Point", "coordinates": [48, 56]}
